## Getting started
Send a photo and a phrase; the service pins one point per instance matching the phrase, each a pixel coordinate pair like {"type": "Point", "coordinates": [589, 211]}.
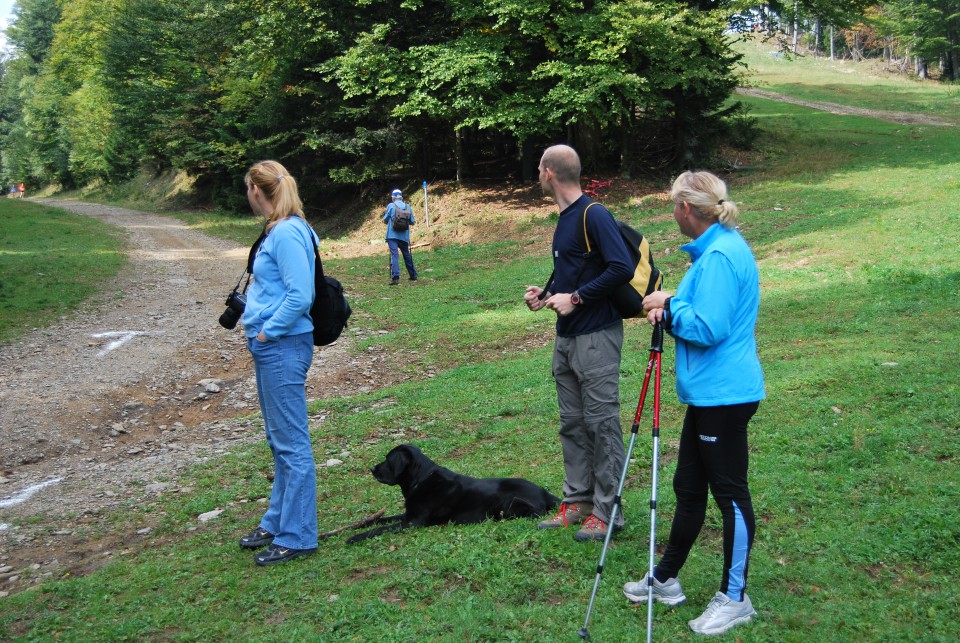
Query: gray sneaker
{"type": "Point", "coordinates": [668, 592]}
{"type": "Point", "coordinates": [723, 613]}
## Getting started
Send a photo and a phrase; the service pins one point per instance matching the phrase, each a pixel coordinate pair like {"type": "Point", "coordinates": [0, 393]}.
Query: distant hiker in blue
{"type": "Point", "coordinates": [712, 318]}
{"type": "Point", "coordinates": [399, 239]}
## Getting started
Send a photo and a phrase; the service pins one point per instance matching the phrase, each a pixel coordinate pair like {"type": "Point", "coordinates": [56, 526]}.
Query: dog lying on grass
{"type": "Point", "coordinates": [435, 495]}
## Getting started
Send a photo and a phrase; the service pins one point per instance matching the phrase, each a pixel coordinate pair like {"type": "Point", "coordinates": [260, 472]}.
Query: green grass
{"type": "Point", "coordinates": [50, 262]}
{"type": "Point", "coordinates": [854, 461]}
{"type": "Point", "coordinates": [857, 84]}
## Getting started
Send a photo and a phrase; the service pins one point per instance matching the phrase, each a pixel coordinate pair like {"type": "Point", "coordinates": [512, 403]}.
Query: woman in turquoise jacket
{"type": "Point", "coordinates": [712, 317]}
{"type": "Point", "coordinates": [279, 331]}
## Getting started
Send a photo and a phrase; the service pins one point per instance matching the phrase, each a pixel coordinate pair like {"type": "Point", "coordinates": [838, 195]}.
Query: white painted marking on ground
{"type": "Point", "coordinates": [23, 496]}
{"type": "Point", "coordinates": [123, 336]}
{"type": "Point", "coordinates": [4, 526]}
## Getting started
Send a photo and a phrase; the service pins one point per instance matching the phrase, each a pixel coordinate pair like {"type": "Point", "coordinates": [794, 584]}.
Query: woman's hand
{"type": "Point", "coordinates": [261, 337]}
{"type": "Point", "coordinates": [656, 300]}
{"type": "Point", "coordinates": [654, 315]}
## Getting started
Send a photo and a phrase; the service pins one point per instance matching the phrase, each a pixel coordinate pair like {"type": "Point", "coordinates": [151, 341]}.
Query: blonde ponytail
{"type": "Point", "coordinates": [279, 187]}
{"type": "Point", "coordinates": [707, 195]}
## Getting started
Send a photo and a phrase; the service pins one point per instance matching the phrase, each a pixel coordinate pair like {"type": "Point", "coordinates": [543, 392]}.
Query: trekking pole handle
{"type": "Point", "coordinates": [656, 342]}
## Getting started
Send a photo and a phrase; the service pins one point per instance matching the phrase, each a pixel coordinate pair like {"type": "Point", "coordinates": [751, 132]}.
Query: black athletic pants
{"type": "Point", "coordinates": [713, 454]}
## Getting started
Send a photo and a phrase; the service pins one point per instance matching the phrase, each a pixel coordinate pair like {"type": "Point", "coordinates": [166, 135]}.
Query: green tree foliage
{"type": "Point", "coordinates": [358, 92]}
{"type": "Point", "coordinates": [31, 31]}
{"type": "Point", "coordinates": [928, 29]}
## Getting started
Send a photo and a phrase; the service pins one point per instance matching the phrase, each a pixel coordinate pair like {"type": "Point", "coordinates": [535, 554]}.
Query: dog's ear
{"type": "Point", "coordinates": [397, 461]}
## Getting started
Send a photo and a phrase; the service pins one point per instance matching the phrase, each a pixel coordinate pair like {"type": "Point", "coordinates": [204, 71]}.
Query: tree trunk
{"type": "Point", "coordinates": [816, 38]}
{"type": "Point", "coordinates": [951, 56]}
{"type": "Point", "coordinates": [796, 24]}
{"type": "Point", "coordinates": [832, 57]}
{"type": "Point", "coordinates": [526, 161]}
{"type": "Point", "coordinates": [855, 48]}
{"type": "Point", "coordinates": [461, 156]}
{"type": "Point", "coordinates": [921, 67]}
{"type": "Point", "coordinates": [955, 61]}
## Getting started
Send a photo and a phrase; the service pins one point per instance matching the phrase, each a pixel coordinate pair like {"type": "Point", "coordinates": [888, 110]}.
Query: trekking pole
{"type": "Point", "coordinates": [656, 348]}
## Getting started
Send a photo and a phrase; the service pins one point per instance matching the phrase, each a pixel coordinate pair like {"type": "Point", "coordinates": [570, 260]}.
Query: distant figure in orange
{"type": "Point", "coordinates": [20, 190]}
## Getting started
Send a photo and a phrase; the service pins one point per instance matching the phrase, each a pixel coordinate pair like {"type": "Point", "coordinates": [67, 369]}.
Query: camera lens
{"type": "Point", "coordinates": [229, 318]}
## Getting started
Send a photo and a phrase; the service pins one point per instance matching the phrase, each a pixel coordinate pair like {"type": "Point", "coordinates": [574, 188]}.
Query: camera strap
{"type": "Point", "coordinates": [248, 271]}
{"type": "Point", "coordinates": [246, 285]}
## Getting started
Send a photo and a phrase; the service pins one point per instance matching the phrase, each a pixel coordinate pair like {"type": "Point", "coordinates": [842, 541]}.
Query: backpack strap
{"type": "Point", "coordinates": [586, 239]}
{"type": "Point", "coordinates": [318, 277]}
{"type": "Point", "coordinates": [586, 255]}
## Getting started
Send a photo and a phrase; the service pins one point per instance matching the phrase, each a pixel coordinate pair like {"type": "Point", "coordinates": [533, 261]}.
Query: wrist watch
{"type": "Point", "coordinates": [575, 298]}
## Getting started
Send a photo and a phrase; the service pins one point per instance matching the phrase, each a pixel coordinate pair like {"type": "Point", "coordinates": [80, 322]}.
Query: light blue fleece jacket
{"type": "Point", "coordinates": [713, 317]}
{"type": "Point", "coordinates": [401, 235]}
{"type": "Point", "coordinates": [282, 290]}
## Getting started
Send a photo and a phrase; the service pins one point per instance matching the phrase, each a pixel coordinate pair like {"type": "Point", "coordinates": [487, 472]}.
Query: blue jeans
{"type": "Point", "coordinates": [281, 368]}
{"type": "Point", "coordinates": [404, 247]}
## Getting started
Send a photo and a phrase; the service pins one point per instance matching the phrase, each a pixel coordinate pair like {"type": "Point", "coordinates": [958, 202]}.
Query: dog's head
{"type": "Point", "coordinates": [405, 465]}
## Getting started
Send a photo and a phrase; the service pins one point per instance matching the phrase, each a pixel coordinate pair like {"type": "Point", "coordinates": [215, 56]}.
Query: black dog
{"type": "Point", "coordinates": [435, 495]}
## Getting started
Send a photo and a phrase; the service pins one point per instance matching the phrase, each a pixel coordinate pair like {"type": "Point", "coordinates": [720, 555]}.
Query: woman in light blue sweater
{"type": "Point", "coordinates": [712, 317]}
{"type": "Point", "coordinates": [279, 334]}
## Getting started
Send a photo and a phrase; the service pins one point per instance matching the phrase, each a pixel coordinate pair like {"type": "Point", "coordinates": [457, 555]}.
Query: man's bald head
{"type": "Point", "coordinates": [564, 162]}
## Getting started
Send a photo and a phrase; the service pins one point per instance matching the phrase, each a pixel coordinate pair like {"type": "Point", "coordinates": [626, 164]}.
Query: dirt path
{"type": "Point", "coordinates": [905, 118]}
{"type": "Point", "coordinates": [105, 408]}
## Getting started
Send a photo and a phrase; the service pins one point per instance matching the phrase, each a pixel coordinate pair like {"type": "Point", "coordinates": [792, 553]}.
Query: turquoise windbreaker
{"type": "Point", "coordinates": [713, 317]}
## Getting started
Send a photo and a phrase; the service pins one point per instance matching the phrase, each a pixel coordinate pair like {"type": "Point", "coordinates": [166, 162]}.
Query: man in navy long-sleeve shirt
{"type": "Point", "coordinates": [586, 356]}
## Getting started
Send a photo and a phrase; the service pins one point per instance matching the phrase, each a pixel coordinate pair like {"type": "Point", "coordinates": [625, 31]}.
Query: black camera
{"type": "Point", "coordinates": [236, 302]}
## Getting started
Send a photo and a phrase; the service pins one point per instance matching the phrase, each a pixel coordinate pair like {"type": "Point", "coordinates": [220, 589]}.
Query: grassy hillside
{"type": "Point", "coordinates": [866, 84]}
{"type": "Point", "coordinates": [854, 454]}
{"type": "Point", "coordinates": [51, 262]}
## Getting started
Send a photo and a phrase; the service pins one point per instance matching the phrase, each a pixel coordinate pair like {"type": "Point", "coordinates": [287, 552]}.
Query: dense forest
{"type": "Point", "coordinates": [362, 93]}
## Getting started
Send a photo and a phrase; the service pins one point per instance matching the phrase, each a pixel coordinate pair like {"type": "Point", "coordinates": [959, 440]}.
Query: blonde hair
{"type": "Point", "coordinates": [279, 187]}
{"type": "Point", "coordinates": [707, 195]}
{"type": "Point", "coordinates": [564, 161]}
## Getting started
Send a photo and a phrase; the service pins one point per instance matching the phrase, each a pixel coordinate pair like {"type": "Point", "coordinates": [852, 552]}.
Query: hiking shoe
{"type": "Point", "coordinates": [256, 539]}
{"type": "Point", "coordinates": [593, 529]}
{"type": "Point", "coordinates": [275, 554]}
{"type": "Point", "coordinates": [721, 614]}
{"type": "Point", "coordinates": [413, 278]}
{"type": "Point", "coordinates": [668, 592]}
{"type": "Point", "coordinates": [570, 514]}
{"type": "Point", "coordinates": [395, 281]}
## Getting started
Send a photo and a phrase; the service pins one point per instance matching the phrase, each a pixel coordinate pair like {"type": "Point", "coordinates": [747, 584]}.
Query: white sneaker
{"type": "Point", "coordinates": [668, 592]}
{"type": "Point", "coordinates": [723, 613]}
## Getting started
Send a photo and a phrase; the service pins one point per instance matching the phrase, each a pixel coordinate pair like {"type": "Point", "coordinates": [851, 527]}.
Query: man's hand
{"type": "Point", "coordinates": [532, 298]}
{"type": "Point", "coordinates": [560, 303]}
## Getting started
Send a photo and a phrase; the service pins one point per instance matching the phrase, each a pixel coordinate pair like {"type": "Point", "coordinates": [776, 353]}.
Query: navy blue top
{"type": "Point", "coordinates": [609, 268]}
